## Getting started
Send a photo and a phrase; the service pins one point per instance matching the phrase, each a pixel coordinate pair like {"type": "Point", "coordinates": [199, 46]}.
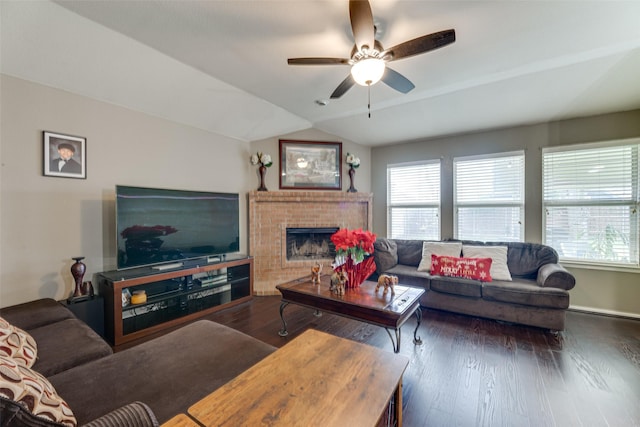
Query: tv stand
{"type": "Point", "coordinates": [183, 294]}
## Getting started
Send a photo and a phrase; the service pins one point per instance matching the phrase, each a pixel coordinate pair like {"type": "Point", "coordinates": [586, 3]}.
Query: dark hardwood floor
{"type": "Point", "coordinates": [478, 372]}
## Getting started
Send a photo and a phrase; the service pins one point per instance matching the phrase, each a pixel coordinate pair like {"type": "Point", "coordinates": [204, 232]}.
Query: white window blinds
{"type": "Point", "coordinates": [489, 197]}
{"type": "Point", "coordinates": [591, 200]}
{"type": "Point", "coordinates": [413, 201]}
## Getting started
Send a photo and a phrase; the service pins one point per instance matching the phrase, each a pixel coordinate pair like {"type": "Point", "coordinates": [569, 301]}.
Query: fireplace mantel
{"type": "Point", "coordinates": [271, 212]}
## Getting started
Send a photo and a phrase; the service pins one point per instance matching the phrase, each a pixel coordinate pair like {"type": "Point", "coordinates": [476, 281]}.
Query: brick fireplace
{"type": "Point", "coordinates": [271, 213]}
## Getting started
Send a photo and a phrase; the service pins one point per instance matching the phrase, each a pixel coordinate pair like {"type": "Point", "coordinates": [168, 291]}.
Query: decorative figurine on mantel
{"type": "Point", "coordinates": [338, 282]}
{"type": "Point", "coordinates": [354, 163]}
{"type": "Point", "coordinates": [265, 162]}
{"type": "Point", "coordinates": [388, 281]}
{"type": "Point", "coordinates": [315, 273]}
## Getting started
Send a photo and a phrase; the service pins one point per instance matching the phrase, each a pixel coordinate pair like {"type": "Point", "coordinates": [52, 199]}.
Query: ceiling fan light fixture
{"type": "Point", "coordinates": [368, 71]}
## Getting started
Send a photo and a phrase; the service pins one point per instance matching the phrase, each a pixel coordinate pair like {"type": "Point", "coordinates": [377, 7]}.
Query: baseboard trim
{"type": "Point", "coordinates": [601, 312]}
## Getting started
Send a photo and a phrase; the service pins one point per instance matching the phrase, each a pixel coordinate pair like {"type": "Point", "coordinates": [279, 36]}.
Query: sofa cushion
{"type": "Point", "coordinates": [468, 268]}
{"type": "Point", "coordinates": [168, 373]}
{"type": "Point", "coordinates": [385, 254]}
{"type": "Point", "coordinates": [456, 286]}
{"type": "Point", "coordinates": [525, 293]}
{"type": "Point", "coordinates": [63, 345]}
{"type": "Point", "coordinates": [523, 258]}
{"type": "Point", "coordinates": [33, 392]}
{"type": "Point", "coordinates": [437, 248]}
{"type": "Point", "coordinates": [410, 276]}
{"type": "Point", "coordinates": [36, 313]}
{"type": "Point", "coordinates": [409, 252]}
{"type": "Point", "coordinates": [17, 344]}
{"type": "Point", "coordinates": [498, 255]}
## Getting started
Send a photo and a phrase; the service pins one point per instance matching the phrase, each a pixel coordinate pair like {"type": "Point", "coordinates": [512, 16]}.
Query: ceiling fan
{"type": "Point", "coordinates": [369, 59]}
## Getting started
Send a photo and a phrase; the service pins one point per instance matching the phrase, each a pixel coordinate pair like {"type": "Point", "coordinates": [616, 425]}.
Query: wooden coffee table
{"type": "Point", "coordinates": [315, 380]}
{"type": "Point", "coordinates": [362, 303]}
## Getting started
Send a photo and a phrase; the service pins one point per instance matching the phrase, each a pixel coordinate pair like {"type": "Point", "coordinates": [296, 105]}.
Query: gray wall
{"type": "Point", "coordinates": [45, 221]}
{"type": "Point", "coordinates": [605, 291]}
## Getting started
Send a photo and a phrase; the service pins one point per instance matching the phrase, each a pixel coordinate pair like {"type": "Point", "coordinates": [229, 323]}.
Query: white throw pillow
{"type": "Point", "coordinates": [440, 249]}
{"type": "Point", "coordinates": [498, 254]}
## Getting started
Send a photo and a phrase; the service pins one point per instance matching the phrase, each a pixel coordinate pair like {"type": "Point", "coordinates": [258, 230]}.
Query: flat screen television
{"type": "Point", "coordinates": [156, 226]}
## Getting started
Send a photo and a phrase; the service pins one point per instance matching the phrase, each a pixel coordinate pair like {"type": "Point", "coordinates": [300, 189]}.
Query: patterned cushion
{"type": "Point", "coordinates": [34, 392]}
{"type": "Point", "coordinates": [498, 255]}
{"type": "Point", "coordinates": [17, 344]}
{"type": "Point", "coordinates": [468, 268]}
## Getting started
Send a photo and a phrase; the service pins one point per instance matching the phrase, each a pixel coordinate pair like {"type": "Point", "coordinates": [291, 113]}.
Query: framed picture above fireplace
{"type": "Point", "coordinates": [310, 165]}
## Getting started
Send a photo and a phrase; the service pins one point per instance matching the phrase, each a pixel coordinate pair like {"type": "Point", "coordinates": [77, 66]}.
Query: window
{"type": "Point", "coordinates": [489, 197]}
{"type": "Point", "coordinates": [413, 200]}
{"type": "Point", "coordinates": [590, 202]}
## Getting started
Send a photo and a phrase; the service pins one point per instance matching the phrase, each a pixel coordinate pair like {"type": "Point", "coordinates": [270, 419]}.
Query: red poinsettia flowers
{"type": "Point", "coordinates": [352, 246]}
{"type": "Point", "coordinates": [355, 244]}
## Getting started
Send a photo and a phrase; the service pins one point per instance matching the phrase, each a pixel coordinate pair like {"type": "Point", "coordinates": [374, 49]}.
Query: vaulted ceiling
{"type": "Point", "coordinates": [222, 65]}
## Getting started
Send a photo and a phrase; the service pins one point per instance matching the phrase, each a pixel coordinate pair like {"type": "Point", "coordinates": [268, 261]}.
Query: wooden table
{"type": "Point", "coordinates": [362, 303]}
{"type": "Point", "coordinates": [315, 380]}
{"type": "Point", "coordinates": [180, 420]}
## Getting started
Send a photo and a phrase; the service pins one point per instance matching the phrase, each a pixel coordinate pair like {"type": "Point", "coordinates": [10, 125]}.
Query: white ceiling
{"type": "Point", "coordinates": [222, 65]}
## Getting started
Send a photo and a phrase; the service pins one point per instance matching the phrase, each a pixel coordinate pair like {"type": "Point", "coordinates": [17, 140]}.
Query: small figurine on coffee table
{"type": "Point", "coordinates": [388, 281]}
{"type": "Point", "coordinates": [315, 273]}
{"type": "Point", "coordinates": [338, 281]}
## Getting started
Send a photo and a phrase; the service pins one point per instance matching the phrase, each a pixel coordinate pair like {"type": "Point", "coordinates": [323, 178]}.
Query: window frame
{"type": "Point", "coordinates": [428, 205]}
{"type": "Point", "coordinates": [599, 264]}
{"type": "Point", "coordinates": [520, 204]}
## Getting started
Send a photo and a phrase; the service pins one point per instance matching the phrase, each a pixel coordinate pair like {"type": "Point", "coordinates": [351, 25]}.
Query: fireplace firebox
{"type": "Point", "coordinates": [309, 243]}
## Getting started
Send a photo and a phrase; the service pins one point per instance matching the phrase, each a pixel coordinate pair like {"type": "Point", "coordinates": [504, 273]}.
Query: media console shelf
{"type": "Point", "coordinates": [172, 297]}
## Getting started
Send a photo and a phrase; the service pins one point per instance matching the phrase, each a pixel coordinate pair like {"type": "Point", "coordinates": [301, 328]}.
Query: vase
{"type": "Point", "coordinates": [263, 172]}
{"type": "Point", "coordinates": [358, 273]}
{"type": "Point", "coordinates": [77, 271]}
{"type": "Point", "coordinates": [352, 175]}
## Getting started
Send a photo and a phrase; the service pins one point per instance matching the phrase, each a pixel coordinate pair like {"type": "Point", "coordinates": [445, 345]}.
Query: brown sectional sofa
{"type": "Point", "coordinates": [143, 385]}
{"type": "Point", "coordinates": [538, 295]}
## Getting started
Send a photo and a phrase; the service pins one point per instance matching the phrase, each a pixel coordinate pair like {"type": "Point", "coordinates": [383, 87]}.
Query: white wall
{"type": "Point", "coordinates": [45, 221]}
{"type": "Point", "coordinates": [605, 291]}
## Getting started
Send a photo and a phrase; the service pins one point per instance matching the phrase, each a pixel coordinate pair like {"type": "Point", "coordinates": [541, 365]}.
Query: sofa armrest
{"type": "Point", "coordinates": [555, 276]}
{"type": "Point", "coordinates": [136, 414]}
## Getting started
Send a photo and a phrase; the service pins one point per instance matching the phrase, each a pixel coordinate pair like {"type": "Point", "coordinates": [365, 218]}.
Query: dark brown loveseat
{"type": "Point", "coordinates": [144, 385]}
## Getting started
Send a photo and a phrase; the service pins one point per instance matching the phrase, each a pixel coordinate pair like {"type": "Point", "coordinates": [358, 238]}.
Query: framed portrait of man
{"type": "Point", "coordinates": [65, 156]}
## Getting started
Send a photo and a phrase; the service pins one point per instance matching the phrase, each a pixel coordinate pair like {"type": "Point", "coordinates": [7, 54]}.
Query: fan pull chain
{"type": "Point", "coordinates": [369, 99]}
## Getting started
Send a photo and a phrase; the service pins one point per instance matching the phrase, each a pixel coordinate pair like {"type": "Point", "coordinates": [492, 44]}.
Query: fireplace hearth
{"type": "Point", "coordinates": [310, 243]}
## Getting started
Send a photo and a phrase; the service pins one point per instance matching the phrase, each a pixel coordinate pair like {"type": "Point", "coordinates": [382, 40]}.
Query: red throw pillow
{"type": "Point", "coordinates": [468, 268]}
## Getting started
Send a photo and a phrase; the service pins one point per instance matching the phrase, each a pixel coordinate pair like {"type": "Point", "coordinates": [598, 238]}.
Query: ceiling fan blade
{"type": "Point", "coordinates": [343, 87]}
{"type": "Point", "coordinates": [362, 23]}
{"type": "Point", "coordinates": [421, 45]}
{"type": "Point", "coordinates": [318, 61]}
{"type": "Point", "coordinates": [397, 81]}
